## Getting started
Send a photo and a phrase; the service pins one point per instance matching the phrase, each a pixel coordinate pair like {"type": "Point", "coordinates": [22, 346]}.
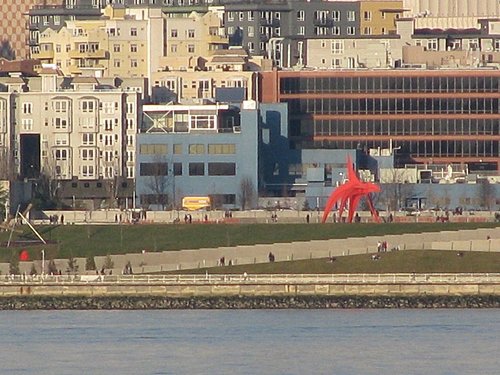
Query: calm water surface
{"type": "Point", "coordinates": [251, 342]}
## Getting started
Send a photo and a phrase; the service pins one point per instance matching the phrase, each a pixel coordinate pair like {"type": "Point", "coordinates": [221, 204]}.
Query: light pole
{"type": "Point", "coordinates": [43, 262]}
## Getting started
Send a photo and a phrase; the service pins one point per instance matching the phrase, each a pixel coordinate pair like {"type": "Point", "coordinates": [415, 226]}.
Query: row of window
{"type": "Point", "coordinates": [161, 169]}
{"type": "Point", "coordinates": [394, 106]}
{"type": "Point", "coordinates": [403, 127]}
{"type": "Point", "coordinates": [303, 85]}
{"type": "Point", "coordinates": [63, 106]}
{"type": "Point", "coordinates": [194, 149]}
{"type": "Point", "coordinates": [427, 149]}
{"type": "Point", "coordinates": [319, 15]}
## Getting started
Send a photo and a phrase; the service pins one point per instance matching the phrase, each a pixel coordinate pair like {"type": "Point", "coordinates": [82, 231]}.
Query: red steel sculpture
{"type": "Point", "coordinates": [351, 192]}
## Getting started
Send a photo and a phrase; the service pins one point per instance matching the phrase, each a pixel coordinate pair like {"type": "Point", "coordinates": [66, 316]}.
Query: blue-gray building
{"type": "Point", "coordinates": [201, 150]}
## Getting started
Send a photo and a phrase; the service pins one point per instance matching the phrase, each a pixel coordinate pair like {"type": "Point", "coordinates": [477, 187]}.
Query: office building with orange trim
{"type": "Point", "coordinates": [422, 116]}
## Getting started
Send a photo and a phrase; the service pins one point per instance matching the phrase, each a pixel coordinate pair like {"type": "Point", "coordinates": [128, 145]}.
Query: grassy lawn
{"type": "Point", "coordinates": [392, 262]}
{"type": "Point", "coordinates": [84, 240]}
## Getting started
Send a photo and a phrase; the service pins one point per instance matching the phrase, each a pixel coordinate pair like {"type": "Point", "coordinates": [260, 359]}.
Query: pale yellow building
{"type": "Point", "coordinates": [191, 39]}
{"type": "Point", "coordinates": [379, 17]}
{"type": "Point", "coordinates": [118, 45]}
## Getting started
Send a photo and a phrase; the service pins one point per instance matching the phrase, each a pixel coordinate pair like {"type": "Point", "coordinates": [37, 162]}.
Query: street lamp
{"type": "Point", "coordinates": [43, 262]}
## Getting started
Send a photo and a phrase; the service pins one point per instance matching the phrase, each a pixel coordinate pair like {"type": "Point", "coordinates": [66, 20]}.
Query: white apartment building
{"type": "Point", "coordinates": [79, 128]}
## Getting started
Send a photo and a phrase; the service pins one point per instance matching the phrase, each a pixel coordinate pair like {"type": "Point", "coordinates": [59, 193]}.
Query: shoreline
{"type": "Point", "coordinates": [146, 302]}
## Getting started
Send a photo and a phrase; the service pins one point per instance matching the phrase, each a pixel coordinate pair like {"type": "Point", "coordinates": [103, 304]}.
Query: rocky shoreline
{"type": "Point", "coordinates": [245, 302]}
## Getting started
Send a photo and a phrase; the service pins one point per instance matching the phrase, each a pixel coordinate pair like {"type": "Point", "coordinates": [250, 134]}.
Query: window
{"type": "Point", "coordinates": [496, 45]}
{"type": "Point", "coordinates": [432, 45]}
{"type": "Point", "coordinates": [251, 46]}
{"type": "Point", "coordinates": [196, 169]}
{"type": "Point", "coordinates": [241, 16]}
{"type": "Point", "coordinates": [222, 148]}
{"type": "Point", "coordinates": [336, 63]}
{"type": "Point", "coordinates": [87, 154]}
{"type": "Point", "coordinates": [116, 63]}
{"type": "Point", "coordinates": [173, 48]}
{"type": "Point", "coordinates": [177, 149]}
{"type": "Point", "coordinates": [153, 149]}
{"type": "Point", "coordinates": [301, 15]}
{"type": "Point", "coordinates": [60, 123]}
{"type": "Point", "coordinates": [133, 48]}
{"type": "Point", "coordinates": [251, 31]}
{"type": "Point", "coordinates": [61, 154]}
{"type": "Point", "coordinates": [88, 139]}
{"type": "Point", "coordinates": [221, 169]}
{"type": "Point", "coordinates": [133, 31]}
{"type": "Point", "coordinates": [367, 31]}
{"type": "Point", "coordinates": [133, 63]}
{"type": "Point", "coordinates": [177, 169]}
{"type": "Point", "coordinates": [351, 16]}
{"type": "Point", "coordinates": [190, 48]}
{"type": "Point", "coordinates": [57, 20]}
{"type": "Point", "coordinates": [336, 15]}
{"type": "Point", "coordinates": [230, 16]}
{"type": "Point", "coordinates": [130, 108]}
{"type": "Point", "coordinates": [60, 106]}
{"type": "Point", "coordinates": [190, 33]}
{"type": "Point", "coordinates": [336, 30]}
{"type": "Point", "coordinates": [196, 149]}
{"type": "Point", "coordinates": [87, 106]}
{"type": "Point", "coordinates": [173, 33]}
{"type": "Point", "coordinates": [27, 124]}
{"type": "Point", "coordinates": [250, 15]}
{"type": "Point", "coordinates": [87, 170]}
{"type": "Point", "coordinates": [351, 30]}
{"type": "Point", "coordinates": [302, 30]}
{"type": "Point", "coordinates": [108, 124]}
{"type": "Point", "coordinates": [337, 47]}
{"type": "Point", "coordinates": [367, 15]}
{"type": "Point", "coordinates": [27, 108]}
{"type": "Point", "coordinates": [153, 169]}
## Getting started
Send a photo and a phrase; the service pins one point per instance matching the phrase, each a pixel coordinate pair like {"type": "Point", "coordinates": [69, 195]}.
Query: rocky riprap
{"type": "Point", "coordinates": [245, 302]}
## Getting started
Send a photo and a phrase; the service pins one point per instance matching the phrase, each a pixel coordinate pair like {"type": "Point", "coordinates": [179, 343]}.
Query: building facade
{"type": "Point", "coordinates": [72, 130]}
{"type": "Point", "coordinates": [198, 150]}
{"type": "Point", "coordinates": [427, 116]}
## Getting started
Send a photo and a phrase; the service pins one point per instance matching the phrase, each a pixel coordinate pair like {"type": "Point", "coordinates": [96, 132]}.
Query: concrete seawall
{"type": "Point", "coordinates": [252, 291]}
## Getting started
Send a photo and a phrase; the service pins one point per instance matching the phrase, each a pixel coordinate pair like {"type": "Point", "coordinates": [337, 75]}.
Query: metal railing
{"type": "Point", "coordinates": [313, 279]}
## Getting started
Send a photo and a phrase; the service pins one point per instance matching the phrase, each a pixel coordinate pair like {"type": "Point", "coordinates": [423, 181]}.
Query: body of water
{"type": "Point", "coordinates": [392, 342]}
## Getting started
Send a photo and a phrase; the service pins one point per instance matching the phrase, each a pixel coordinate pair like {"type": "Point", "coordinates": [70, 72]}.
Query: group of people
{"type": "Point", "coordinates": [188, 219]}
{"type": "Point", "coordinates": [222, 262]}
{"type": "Point", "coordinates": [54, 219]}
{"type": "Point", "coordinates": [381, 246]}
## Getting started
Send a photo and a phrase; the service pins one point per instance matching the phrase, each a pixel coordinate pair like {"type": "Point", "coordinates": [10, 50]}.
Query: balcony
{"type": "Point", "coordinates": [97, 54]}
{"type": "Point", "coordinates": [43, 55]}
{"type": "Point", "coordinates": [217, 39]}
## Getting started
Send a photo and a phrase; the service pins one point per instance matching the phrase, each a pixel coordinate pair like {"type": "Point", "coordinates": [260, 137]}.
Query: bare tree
{"type": "Point", "coordinates": [3, 202]}
{"type": "Point", "coordinates": [395, 190]}
{"type": "Point", "coordinates": [158, 182]}
{"type": "Point", "coordinates": [247, 193]}
{"type": "Point", "coordinates": [486, 194]}
{"type": "Point", "coordinates": [47, 186]}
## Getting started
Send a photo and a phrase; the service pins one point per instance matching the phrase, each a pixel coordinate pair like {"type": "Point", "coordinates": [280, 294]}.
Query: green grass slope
{"type": "Point", "coordinates": [418, 261]}
{"type": "Point", "coordinates": [85, 240]}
